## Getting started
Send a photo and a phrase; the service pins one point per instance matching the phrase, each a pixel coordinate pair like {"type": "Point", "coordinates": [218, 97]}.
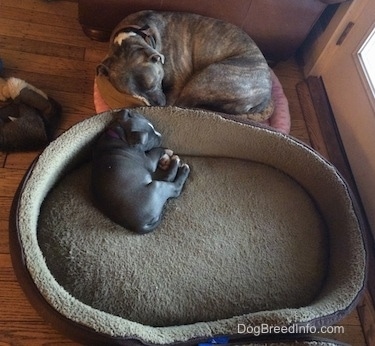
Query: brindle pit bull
{"type": "Point", "coordinates": [188, 60]}
{"type": "Point", "coordinates": [126, 184]}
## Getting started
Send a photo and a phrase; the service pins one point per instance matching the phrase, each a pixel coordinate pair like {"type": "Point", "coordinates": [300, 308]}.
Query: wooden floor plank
{"type": "Point", "coordinates": [38, 16]}
{"type": "Point", "coordinates": [6, 269]}
{"type": "Point", "coordinates": [349, 330]}
{"type": "Point", "coordinates": [312, 125]}
{"type": "Point", "coordinates": [14, 305]}
{"type": "Point", "coordinates": [20, 161]}
{"type": "Point", "coordinates": [41, 32]}
{"type": "Point", "coordinates": [288, 69]}
{"type": "Point", "coordinates": [76, 107]}
{"type": "Point", "coordinates": [298, 130]}
{"type": "Point", "coordinates": [63, 8]}
{"type": "Point", "coordinates": [4, 240]}
{"type": "Point", "coordinates": [2, 159]}
{"type": "Point", "coordinates": [51, 65]}
{"type": "Point", "coordinates": [367, 318]}
{"type": "Point", "coordinates": [78, 84]}
{"type": "Point", "coordinates": [97, 54]}
{"type": "Point", "coordinates": [10, 179]}
{"type": "Point", "coordinates": [21, 44]}
{"type": "Point", "coordinates": [5, 203]}
{"type": "Point", "coordinates": [14, 333]}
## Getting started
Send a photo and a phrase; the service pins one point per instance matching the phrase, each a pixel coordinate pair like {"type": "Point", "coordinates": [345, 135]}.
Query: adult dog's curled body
{"type": "Point", "coordinates": [188, 60]}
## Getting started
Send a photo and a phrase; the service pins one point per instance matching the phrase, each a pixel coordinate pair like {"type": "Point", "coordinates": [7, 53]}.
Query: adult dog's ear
{"type": "Point", "coordinates": [157, 57]}
{"type": "Point", "coordinates": [102, 70]}
{"type": "Point", "coordinates": [154, 56]}
{"type": "Point", "coordinates": [146, 30]}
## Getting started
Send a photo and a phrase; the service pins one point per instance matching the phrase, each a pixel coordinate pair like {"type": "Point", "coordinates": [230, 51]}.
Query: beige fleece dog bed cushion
{"type": "Point", "coordinates": [265, 231]}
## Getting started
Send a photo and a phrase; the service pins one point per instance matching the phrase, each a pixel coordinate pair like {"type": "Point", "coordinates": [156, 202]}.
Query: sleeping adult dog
{"type": "Point", "coordinates": [187, 60]}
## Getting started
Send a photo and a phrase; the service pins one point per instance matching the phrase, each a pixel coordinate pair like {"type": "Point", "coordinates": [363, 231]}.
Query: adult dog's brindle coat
{"type": "Point", "coordinates": [188, 60]}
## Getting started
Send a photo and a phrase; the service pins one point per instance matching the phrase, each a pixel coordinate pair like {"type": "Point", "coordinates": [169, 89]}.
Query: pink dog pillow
{"type": "Point", "coordinates": [279, 120]}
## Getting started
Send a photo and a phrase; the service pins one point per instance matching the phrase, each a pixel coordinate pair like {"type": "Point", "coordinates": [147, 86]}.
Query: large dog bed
{"type": "Point", "coordinates": [265, 233]}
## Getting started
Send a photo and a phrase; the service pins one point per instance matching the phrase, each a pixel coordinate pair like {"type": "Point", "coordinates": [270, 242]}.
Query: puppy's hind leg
{"type": "Point", "coordinates": [171, 172]}
{"type": "Point", "coordinates": [182, 174]}
{"type": "Point", "coordinates": [173, 188]}
{"type": "Point", "coordinates": [165, 160]}
{"type": "Point", "coordinates": [161, 191]}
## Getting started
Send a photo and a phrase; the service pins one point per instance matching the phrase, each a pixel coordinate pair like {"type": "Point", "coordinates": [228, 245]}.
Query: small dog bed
{"type": "Point", "coordinates": [265, 233]}
{"type": "Point", "coordinates": [279, 120]}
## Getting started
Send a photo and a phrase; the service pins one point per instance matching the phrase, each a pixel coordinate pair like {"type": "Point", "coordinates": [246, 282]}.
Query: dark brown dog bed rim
{"type": "Point", "coordinates": [89, 335]}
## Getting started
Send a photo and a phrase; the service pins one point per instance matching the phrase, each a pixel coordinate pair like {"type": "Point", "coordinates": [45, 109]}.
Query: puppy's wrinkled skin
{"type": "Point", "coordinates": [187, 60]}
{"type": "Point", "coordinates": [126, 184]}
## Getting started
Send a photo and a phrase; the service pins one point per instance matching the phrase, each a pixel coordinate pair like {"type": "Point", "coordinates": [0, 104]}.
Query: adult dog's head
{"type": "Point", "coordinates": [134, 67]}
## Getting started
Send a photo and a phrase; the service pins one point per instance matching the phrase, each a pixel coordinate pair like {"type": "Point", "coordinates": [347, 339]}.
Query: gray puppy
{"type": "Point", "coordinates": [188, 60]}
{"type": "Point", "coordinates": [126, 183]}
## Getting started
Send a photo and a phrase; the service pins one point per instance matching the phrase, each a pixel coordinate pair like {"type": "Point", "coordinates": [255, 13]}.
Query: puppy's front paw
{"type": "Point", "coordinates": [165, 160]}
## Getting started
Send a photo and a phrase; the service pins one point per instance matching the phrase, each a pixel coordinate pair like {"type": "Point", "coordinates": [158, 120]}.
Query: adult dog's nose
{"type": "Point", "coordinates": [158, 99]}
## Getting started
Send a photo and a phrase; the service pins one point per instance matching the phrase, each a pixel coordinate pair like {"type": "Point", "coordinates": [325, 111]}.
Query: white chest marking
{"type": "Point", "coordinates": [153, 128]}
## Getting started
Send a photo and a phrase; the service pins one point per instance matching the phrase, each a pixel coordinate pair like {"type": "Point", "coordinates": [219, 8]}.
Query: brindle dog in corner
{"type": "Point", "coordinates": [189, 60]}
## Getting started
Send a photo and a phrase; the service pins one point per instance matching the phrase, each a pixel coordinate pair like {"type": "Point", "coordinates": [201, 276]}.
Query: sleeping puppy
{"type": "Point", "coordinates": [188, 60]}
{"type": "Point", "coordinates": [124, 168]}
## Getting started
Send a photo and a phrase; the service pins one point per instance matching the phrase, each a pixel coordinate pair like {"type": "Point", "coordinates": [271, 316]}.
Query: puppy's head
{"type": "Point", "coordinates": [137, 130]}
{"type": "Point", "coordinates": [135, 68]}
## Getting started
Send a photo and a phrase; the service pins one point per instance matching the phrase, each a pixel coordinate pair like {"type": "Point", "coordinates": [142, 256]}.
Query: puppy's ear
{"type": "Point", "coordinates": [122, 115]}
{"type": "Point", "coordinates": [137, 137]}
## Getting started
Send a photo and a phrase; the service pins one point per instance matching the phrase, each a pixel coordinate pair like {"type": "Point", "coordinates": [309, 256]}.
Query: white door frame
{"type": "Point", "coordinates": [351, 100]}
{"type": "Point", "coordinates": [325, 47]}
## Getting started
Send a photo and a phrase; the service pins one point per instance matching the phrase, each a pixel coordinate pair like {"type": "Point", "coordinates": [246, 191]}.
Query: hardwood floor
{"type": "Point", "coordinates": [42, 43]}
